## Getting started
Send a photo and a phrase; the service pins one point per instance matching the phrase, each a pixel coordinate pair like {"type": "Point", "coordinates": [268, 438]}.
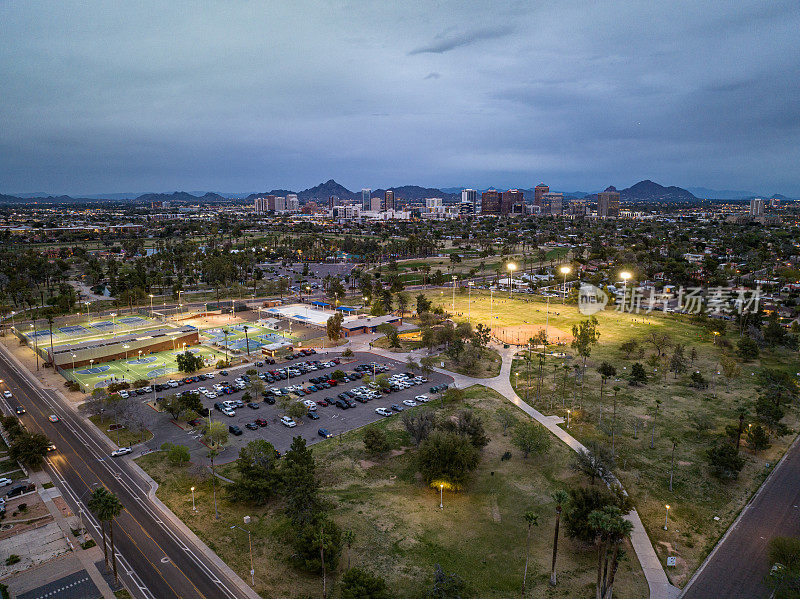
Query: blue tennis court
{"type": "Point", "coordinates": [242, 343]}
{"type": "Point", "coordinates": [104, 325]}
{"type": "Point", "coordinates": [147, 360]}
{"type": "Point", "coordinates": [72, 329]}
{"type": "Point", "coordinates": [94, 370]}
{"type": "Point", "coordinates": [41, 333]}
{"type": "Point", "coordinates": [271, 338]}
{"type": "Point", "coordinates": [131, 320]}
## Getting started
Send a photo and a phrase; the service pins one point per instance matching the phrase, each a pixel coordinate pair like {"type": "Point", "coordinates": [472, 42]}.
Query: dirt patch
{"type": "Point", "coordinates": [212, 321]}
{"type": "Point", "coordinates": [35, 515]}
{"type": "Point", "coordinates": [494, 509]}
{"type": "Point", "coordinates": [684, 463]}
{"type": "Point", "coordinates": [366, 464]}
{"type": "Point", "coordinates": [62, 506]}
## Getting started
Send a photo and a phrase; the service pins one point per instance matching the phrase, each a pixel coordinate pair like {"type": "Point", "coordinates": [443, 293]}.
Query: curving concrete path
{"type": "Point", "coordinates": [660, 587]}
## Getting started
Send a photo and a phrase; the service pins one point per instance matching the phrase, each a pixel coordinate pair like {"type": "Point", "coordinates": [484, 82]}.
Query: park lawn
{"type": "Point", "coordinates": [696, 497]}
{"type": "Point", "coordinates": [400, 531]}
{"type": "Point", "coordinates": [122, 437]}
{"type": "Point", "coordinates": [487, 367]}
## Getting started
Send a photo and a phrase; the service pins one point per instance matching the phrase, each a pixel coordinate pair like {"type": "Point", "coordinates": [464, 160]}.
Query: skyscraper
{"type": "Point", "coordinates": [388, 203]}
{"type": "Point", "coordinates": [365, 197]}
{"type": "Point", "coordinates": [513, 202]}
{"type": "Point", "coordinates": [756, 207]}
{"type": "Point", "coordinates": [471, 196]}
{"type": "Point", "coordinates": [538, 194]}
{"type": "Point", "coordinates": [552, 203]}
{"type": "Point", "coordinates": [608, 203]}
{"type": "Point", "coordinates": [292, 203]}
{"type": "Point", "coordinates": [491, 200]}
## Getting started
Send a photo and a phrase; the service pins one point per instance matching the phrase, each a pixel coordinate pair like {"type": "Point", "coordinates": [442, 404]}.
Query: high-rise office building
{"type": "Point", "coordinates": [552, 203]}
{"type": "Point", "coordinates": [375, 204]}
{"type": "Point", "coordinates": [608, 203]}
{"type": "Point", "coordinates": [471, 196]}
{"type": "Point", "coordinates": [259, 205]}
{"type": "Point", "coordinates": [756, 207]}
{"type": "Point", "coordinates": [466, 208]}
{"type": "Point", "coordinates": [538, 194]}
{"type": "Point", "coordinates": [365, 197]}
{"type": "Point", "coordinates": [292, 203]}
{"type": "Point", "coordinates": [513, 202]}
{"type": "Point", "coordinates": [388, 200]}
{"type": "Point", "coordinates": [491, 200]}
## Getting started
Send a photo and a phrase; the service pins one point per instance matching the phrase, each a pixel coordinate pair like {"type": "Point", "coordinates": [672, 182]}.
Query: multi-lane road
{"type": "Point", "coordinates": [156, 559]}
{"type": "Point", "coordinates": [739, 565]}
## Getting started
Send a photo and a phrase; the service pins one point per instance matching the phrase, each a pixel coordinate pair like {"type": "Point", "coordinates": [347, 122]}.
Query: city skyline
{"type": "Point", "coordinates": [152, 97]}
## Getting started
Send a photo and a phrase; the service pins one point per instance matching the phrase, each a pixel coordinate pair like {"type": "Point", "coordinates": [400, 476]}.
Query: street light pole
{"type": "Point", "coordinates": [565, 270]}
{"type": "Point", "coordinates": [511, 268]}
{"type": "Point", "coordinates": [151, 305]}
{"type": "Point", "coordinates": [454, 295]}
{"type": "Point", "coordinates": [568, 418]}
{"type": "Point", "coordinates": [250, 539]}
{"type": "Point", "coordinates": [666, 517]}
{"type": "Point", "coordinates": [194, 509]}
{"type": "Point", "coordinates": [625, 276]}
{"type": "Point", "coordinates": [441, 496]}
{"type": "Point", "coordinates": [470, 284]}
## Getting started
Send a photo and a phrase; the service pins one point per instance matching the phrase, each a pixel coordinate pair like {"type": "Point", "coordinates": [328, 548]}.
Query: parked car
{"type": "Point", "coordinates": [121, 451]}
{"type": "Point", "coordinates": [235, 430]}
{"type": "Point", "coordinates": [409, 402]}
{"type": "Point", "coordinates": [252, 426]}
{"type": "Point", "coordinates": [261, 421]}
{"type": "Point", "coordinates": [383, 411]}
{"type": "Point", "coordinates": [287, 421]}
{"type": "Point", "coordinates": [20, 489]}
{"type": "Point", "coordinates": [253, 405]}
{"type": "Point", "coordinates": [396, 408]}
{"type": "Point", "coordinates": [5, 481]}
{"type": "Point", "coordinates": [313, 415]}
{"type": "Point", "coordinates": [324, 433]}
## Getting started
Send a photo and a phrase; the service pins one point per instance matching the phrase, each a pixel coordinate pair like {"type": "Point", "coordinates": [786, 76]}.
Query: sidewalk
{"type": "Point", "coordinates": [87, 557]}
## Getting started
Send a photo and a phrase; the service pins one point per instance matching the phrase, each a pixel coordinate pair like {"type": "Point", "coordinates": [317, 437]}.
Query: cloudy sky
{"type": "Point", "coordinates": [253, 95]}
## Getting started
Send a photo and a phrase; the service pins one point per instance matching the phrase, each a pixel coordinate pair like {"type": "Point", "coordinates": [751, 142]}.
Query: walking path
{"type": "Point", "coordinates": [660, 587]}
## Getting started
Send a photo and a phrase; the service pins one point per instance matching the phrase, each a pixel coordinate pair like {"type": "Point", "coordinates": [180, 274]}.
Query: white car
{"type": "Point", "coordinates": [5, 481]}
{"type": "Point", "coordinates": [286, 421]}
{"type": "Point", "coordinates": [173, 384]}
{"type": "Point", "coordinates": [7, 394]}
{"type": "Point", "coordinates": [422, 398]}
{"type": "Point", "coordinates": [311, 405]}
{"type": "Point", "coordinates": [228, 412]}
{"type": "Point", "coordinates": [124, 394]}
{"type": "Point", "coordinates": [121, 451]}
{"type": "Point", "coordinates": [211, 395]}
{"type": "Point", "coordinates": [202, 389]}
{"type": "Point", "coordinates": [218, 387]}
{"type": "Point", "coordinates": [410, 403]}
{"type": "Point", "coordinates": [383, 411]}
{"type": "Point", "coordinates": [210, 375]}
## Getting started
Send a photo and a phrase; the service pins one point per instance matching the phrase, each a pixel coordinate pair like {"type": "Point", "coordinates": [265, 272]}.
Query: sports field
{"type": "Point", "coordinates": [257, 335]}
{"type": "Point", "coordinates": [148, 367]}
{"type": "Point", "coordinates": [102, 328]}
{"type": "Point", "coordinates": [515, 320]}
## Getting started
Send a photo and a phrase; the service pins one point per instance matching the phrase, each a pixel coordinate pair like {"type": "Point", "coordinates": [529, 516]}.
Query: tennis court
{"type": "Point", "coordinates": [100, 329]}
{"type": "Point", "coordinates": [147, 367]}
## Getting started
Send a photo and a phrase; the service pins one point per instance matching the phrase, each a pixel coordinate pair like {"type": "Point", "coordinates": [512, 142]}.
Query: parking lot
{"type": "Point", "coordinates": [334, 419]}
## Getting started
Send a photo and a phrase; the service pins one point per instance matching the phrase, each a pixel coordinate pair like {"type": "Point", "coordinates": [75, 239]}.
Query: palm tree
{"type": "Point", "coordinates": [106, 506]}
{"type": "Point", "coordinates": [560, 497]}
{"type": "Point", "coordinates": [246, 339]}
{"type": "Point", "coordinates": [225, 334]}
{"type": "Point", "coordinates": [50, 324]}
{"type": "Point", "coordinates": [532, 520]}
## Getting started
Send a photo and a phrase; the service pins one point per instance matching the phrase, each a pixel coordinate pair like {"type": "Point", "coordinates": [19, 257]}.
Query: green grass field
{"type": "Point", "coordinates": [694, 418]}
{"type": "Point", "coordinates": [400, 532]}
{"type": "Point", "coordinates": [150, 367]}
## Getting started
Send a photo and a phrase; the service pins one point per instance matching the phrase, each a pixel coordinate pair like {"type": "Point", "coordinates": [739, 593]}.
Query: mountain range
{"type": "Point", "coordinates": [643, 191]}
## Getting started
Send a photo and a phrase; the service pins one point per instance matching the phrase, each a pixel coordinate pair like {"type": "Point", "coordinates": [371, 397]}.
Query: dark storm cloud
{"type": "Point", "coordinates": [150, 95]}
{"type": "Point", "coordinates": [446, 42]}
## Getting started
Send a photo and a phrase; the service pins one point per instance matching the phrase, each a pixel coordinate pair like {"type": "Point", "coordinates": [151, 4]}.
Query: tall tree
{"type": "Point", "coordinates": [560, 497]}
{"type": "Point", "coordinates": [106, 507]}
{"type": "Point", "coordinates": [531, 519]}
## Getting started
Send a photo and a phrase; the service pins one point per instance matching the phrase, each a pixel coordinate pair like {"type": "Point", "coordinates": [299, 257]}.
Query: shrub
{"type": "Point", "coordinates": [725, 462]}
{"type": "Point", "coordinates": [13, 559]}
{"type": "Point", "coordinates": [347, 353]}
{"type": "Point", "coordinates": [360, 584]}
{"type": "Point", "coordinates": [375, 440]}
{"type": "Point", "coordinates": [530, 437]}
{"type": "Point", "coordinates": [446, 457]}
